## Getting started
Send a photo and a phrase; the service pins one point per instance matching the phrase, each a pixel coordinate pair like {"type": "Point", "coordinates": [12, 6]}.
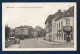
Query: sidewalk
{"type": "Point", "coordinates": [14, 46]}
{"type": "Point", "coordinates": [47, 42]}
{"type": "Point", "coordinates": [41, 40]}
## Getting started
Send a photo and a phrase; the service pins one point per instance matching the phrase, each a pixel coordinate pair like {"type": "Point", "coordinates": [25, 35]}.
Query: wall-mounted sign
{"type": "Point", "coordinates": [67, 28]}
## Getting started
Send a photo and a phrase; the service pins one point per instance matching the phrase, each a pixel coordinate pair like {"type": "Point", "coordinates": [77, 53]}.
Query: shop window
{"type": "Point", "coordinates": [59, 26]}
{"type": "Point", "coordinates": [71, 37]}
{"type": "Point", "coordinates": [64, 36]}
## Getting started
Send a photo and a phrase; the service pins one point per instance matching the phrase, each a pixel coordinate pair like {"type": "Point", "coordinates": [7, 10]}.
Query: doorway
{"type": "Point", "coordinates": [68, 38]}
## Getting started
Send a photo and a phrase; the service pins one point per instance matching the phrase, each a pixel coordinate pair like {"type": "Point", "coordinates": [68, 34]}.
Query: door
{"type": "Point", "coordinates": [67, 38]}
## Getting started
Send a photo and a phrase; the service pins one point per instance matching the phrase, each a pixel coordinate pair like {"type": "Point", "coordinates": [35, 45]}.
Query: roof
{"type": "Point", "coordinates": [24, 26]}
{"type": "Point", "coordinates": [38, 28]}
{"type": "Point", "coordinates": [58, 15]}
{"type": "Point", "coordinates": [50, 17]}
{"type": "Point", "coordinates": [68, 13]}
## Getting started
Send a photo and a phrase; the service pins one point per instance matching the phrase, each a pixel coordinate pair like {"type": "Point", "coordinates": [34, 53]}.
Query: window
{"type": "Point", "coordinates": [61, 25]}
{"type": "Point", "coordinates": [64, 36]}
{"type": "Point", "coordinates": [67, 22]}
{"type": "Point", "coordinates": [54, 27]}
{"type": "Point", "coordinates": [57, 37]}
{"type": "Point", "coordinates": [51, 29]}
{"type": "Point", "coordinates": [57, 26]}
{"type": "Point", "coordinates": [71, 37]}
{"type": "Point", "coordinates": [59, 34]}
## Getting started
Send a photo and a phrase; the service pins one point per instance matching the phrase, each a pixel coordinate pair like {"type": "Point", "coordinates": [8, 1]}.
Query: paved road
{"type": "Point", "coordinates": [35, 43]}
{"type": "Point", "coordinates": [14, 46]}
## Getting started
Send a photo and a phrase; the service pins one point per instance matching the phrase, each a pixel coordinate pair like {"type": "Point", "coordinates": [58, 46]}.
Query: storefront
{"type": "Point", "coordinates": [67, 33]}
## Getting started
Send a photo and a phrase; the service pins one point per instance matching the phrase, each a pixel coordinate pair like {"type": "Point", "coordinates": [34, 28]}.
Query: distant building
{"type": "Point", "coordinates": [62, 27]}
{"type": "Point", "coordinates": [39, 32]}
{"type": "Point", "coordinates": [35, 34]}
{"type": "Point", "coordinates": [23, 31]}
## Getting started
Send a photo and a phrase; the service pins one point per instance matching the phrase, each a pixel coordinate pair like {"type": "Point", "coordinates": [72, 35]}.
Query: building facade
{"type": "Point", "coordinates": [48, 24]}
{"type": "Point", "coordinates": [62, 30]}
{"type": "Point", "coordinates": [62, 27]}
{"type": "Point", "coordinates": [22, 32]}
{"type": "Point", "coordinates": [49, 30]}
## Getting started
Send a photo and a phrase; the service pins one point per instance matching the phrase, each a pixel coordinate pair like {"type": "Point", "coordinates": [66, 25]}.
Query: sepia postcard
{"type": "Point", "coordinates": [39, 26]}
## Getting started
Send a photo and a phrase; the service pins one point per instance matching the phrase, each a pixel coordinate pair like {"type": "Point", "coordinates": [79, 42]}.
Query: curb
{"type": "Point", "coordinates": [47, 42]}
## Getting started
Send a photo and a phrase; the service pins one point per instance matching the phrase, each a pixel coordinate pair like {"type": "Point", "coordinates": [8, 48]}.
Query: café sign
{"type": "Point", "coordinates": [67, 28]}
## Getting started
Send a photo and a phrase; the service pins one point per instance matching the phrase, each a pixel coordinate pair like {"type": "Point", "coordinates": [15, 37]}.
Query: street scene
{"type": "Point", "coordinates": [35, 43]}
{"type": "Point", "coordinates": [40, 26]}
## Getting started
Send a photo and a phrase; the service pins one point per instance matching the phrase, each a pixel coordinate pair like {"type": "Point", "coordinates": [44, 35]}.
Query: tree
{"type": "Point", "coordinates": [7, 31]}
{"type": "Point", "coordinates": [41, 32]}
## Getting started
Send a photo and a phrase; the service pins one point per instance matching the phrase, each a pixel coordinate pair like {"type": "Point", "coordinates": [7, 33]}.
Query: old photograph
{"type": "Point", "coordinates": [39, 26]}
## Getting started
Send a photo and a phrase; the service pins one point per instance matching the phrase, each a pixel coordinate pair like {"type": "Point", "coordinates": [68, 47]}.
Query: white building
{"type": "Point", "coordinates": [62, 27]}
{"type": "Point", "coordinates": [60, 30]}
{"type": "Point", "coordinates": [59, 26]}
{"type": "Point", "coordinates": [48, 24]}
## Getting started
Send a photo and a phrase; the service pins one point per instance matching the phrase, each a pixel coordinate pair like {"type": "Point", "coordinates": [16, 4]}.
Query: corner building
{"type": "Point", "coordinates": [63, 26]}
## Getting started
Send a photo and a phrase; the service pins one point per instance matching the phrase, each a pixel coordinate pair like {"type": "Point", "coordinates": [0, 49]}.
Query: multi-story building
{"type": "Point", "coordinates": [62, 26]}
{"type": "Point", "coordinates": [48, 24]}
{"type": "Point", "coordinates": [23, 31]}
{"type": "Point", "coordinates": [29, 32]}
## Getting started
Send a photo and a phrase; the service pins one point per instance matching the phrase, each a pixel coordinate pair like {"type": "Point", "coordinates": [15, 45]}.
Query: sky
{"type": "Point", "coordinates": [32, 14]}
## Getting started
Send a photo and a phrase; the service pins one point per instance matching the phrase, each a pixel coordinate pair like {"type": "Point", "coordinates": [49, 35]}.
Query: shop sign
{"type": "Point", "coordinates": [67, 28]}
